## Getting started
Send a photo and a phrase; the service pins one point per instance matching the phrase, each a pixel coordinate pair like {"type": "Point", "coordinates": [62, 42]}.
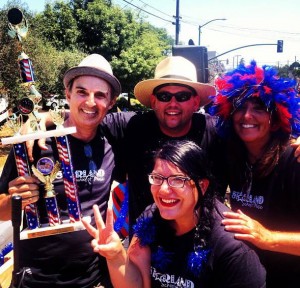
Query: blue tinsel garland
{"type": "Point", "coordinates": [145, 230]}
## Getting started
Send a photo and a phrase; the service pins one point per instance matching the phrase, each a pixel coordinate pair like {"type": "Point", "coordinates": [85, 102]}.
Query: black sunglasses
{"type": "Point", "coordinates": [182, 96]}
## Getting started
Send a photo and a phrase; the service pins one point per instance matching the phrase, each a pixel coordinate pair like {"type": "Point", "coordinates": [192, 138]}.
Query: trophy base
{"type": "Point", "coordinates": [65, 227]}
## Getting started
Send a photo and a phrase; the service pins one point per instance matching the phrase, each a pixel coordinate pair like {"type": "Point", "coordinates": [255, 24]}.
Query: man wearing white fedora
{"type": "Point", "coordinates": [67, 260]}
{"type": "Point", "coordinates": [175, 97]}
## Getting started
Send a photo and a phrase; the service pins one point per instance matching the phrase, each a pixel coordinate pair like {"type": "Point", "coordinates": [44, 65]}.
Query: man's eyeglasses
{"type": "Point", "coordinates": [173, 181]}
{"type": "Point", "coordinates": [88, 152]}
{"type": "Point", "coordinates": [182, 96]}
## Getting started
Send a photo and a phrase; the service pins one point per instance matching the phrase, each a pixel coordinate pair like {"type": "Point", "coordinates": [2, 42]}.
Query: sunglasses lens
{"type": "Point", "coordinates": [183, 96]}
{"type": "Point", "coordinates": [179, 96]}
{"type": "Point", "coordinates": [164, 96]}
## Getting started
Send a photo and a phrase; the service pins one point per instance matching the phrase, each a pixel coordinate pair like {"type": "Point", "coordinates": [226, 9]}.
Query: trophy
{"type": "Point", "coordinates": [45, 169]}
{"type": "Point", "coordinates": [46, 172]}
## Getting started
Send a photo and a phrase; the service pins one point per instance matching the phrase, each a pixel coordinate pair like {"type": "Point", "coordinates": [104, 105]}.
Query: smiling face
{"type": "Point", "coordinates": [89, 100]}
{"type": "Point", "coordinates": [252, 123]}
{"type": "Point", "coordinates": [175, 118]}
{"type": "Point", "coordinates": [174, 203]}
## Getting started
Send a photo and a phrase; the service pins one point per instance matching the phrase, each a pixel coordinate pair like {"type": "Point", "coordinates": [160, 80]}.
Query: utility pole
{"type": "Point", "coordinates": [177, 23]}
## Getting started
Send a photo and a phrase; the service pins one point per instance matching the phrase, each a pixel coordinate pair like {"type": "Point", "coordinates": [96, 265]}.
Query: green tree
{"type": "Point", "coordinates": [58, 25]}
{"type": "Point", "coordinates": [138, 61]}
{"type": "Point", "coordinates": [106, 29]}
{"type": "Point", "coordinates": [66, 31]}
{"type": "Point", "coordinates": [283, 71]}
{"type": "Point", "coordinates": [10, 49]}
{"type": "Point", "coordinates": [133, 45]}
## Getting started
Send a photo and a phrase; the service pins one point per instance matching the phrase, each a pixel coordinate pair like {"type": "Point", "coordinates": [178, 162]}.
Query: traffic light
{"type": "Point", "coordinates": [279, 46]}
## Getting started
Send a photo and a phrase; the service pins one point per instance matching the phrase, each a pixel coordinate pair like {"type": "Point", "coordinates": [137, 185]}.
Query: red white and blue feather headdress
{"type": "Point", "coordinates": [277, 94]}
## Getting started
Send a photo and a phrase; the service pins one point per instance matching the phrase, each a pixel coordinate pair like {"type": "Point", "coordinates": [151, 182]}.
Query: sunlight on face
{"type": "Point", "coordinates": [89, 101]}
{"type": "Point", "coordinates": [175, 118]}
{"type": "Point", "coordinates": [174, 203]}
{"type": "Point", "coordinates": [252, 122]}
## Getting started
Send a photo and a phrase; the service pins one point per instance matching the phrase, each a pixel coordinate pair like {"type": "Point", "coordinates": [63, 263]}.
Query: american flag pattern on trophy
{"type": "Point", "coordinates": [31, 211]}
{"type": "Point", "coordinates": [52, 211]}
{"type": "Point", "coordinates": [26, 68]}
{"type": "Point", "coordinates": [69, 179]}
{"type": "Point", "coordinates": [46, 172]}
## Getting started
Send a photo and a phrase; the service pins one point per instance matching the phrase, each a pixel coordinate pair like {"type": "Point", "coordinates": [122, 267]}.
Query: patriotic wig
{"type": "Point", "coordinates": [245, 82]}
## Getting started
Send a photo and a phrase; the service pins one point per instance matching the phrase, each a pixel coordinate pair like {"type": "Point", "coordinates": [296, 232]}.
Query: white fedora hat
{"type": "Point", "coordinates": [173, 69]}
{"type": "Point", "coordinates": [94, 65]}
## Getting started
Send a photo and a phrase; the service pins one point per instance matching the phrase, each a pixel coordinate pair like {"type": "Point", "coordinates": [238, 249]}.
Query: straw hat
{"type": "Point", "coordinates": [173, 69]}
{"type": "Point", "coordinates": [94, 65]}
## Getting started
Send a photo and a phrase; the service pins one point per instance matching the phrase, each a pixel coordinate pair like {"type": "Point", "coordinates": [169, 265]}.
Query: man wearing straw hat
{"type": "Point", "coordinates": [175, 97]}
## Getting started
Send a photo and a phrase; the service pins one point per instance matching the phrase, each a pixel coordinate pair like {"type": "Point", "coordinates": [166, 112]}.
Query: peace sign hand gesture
{"type": "Point", "coordinates": [106, 241]}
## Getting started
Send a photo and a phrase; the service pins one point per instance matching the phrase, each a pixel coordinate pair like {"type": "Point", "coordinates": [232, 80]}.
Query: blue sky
{"type": "Point", "coordinates": [248, 22]}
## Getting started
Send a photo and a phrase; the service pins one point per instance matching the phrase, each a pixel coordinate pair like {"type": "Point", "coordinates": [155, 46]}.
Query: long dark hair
{"type": "Point", "coordinates": [192, 160]}
{"type": "Point", "coordinates": [278, 142]}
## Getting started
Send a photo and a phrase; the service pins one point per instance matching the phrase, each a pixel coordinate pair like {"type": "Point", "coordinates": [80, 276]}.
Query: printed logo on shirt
{"type": "Point", "coordinates": [171, 281]}
{"type": "Point", "coordinates": [86, 176]}
{"type": "Point", "coordinates": [90, 176]}
{"type": "Point", "coordinates": [250, 200]}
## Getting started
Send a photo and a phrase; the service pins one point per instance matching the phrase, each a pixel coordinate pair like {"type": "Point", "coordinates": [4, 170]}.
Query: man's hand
{"type": "Point", "coordinates": [25, 186]}
{"type": "Point", "coordinates": [26, 129]}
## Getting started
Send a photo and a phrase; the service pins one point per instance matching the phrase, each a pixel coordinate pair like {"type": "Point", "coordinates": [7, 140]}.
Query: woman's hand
{"type": "Point", "coordinates": [296, 144]}
{"type": "Point", "coordinates": [106, 241]}
{"type": "Point", "coordinates": [248, 229]}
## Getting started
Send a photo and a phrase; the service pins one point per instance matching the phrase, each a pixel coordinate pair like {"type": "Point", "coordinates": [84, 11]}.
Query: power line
{"type": "Point", "coordinates": [196, 23]}
{"type": "Point", "coordinates": [156, 9]}
{"type": "Point", "coordinates": [137, 7]}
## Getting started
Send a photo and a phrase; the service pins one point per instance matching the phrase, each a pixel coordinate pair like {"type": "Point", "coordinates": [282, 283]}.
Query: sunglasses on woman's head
{"type": "Point", "coordinates": [165, 96]}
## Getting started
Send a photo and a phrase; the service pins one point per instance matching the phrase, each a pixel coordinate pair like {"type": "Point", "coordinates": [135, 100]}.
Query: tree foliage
{"type": "Point", "coordinates": [66, 31]}
{"type": "Point", "coordinates": [58, 26]}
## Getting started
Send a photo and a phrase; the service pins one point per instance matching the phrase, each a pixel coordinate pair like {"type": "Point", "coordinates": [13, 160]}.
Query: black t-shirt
{"type": "Point", "coordinates": [143, 137]}
{"type": "Point", "coordinates": [231, 263]}
{"type": "Point", "coordinates": [275, 202]}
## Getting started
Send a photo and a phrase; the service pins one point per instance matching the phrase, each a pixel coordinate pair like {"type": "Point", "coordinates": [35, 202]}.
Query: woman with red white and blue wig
{"type": "Point", "coordinates": [258, 114]}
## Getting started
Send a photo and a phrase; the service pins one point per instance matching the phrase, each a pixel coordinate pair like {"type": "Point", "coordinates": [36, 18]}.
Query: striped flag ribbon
{"type": "Point", "coordinates": [21, 158]}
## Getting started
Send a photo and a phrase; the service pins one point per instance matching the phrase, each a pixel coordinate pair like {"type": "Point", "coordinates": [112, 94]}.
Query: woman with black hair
{"type": "Point", "coordinates": [179, 240]}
